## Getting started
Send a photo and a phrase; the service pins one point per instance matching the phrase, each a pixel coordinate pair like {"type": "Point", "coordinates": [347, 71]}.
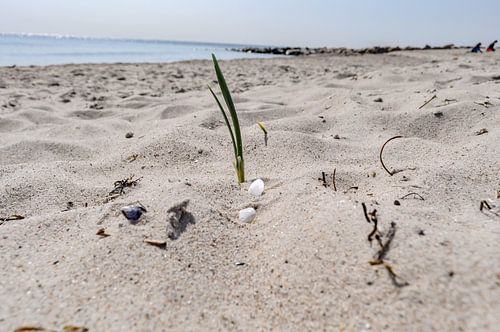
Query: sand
{"type": "Point", "coordinates": [304, 263]}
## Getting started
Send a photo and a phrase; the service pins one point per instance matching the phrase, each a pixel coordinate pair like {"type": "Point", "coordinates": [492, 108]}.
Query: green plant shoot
{"type": "Point", "coordinates": [234, 131]}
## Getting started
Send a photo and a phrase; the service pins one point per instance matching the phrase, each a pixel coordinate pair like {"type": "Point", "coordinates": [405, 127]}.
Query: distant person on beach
{"type": "Point", "coordinates": [477, 48]}
{"type": "Point", "coordinates": [491, 48]}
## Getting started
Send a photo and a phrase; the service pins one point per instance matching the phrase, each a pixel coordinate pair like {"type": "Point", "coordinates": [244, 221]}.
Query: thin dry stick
{"type": "Point", "coordinates": [418, 195]}
{"type": "Point", "coordinates": [334, 172]}
{"type": "Point", "coordinates": [382, 150]}
{"type": "Point", "coordinates": [483, 205]}
{"type": "Point", "coordinates": [428, 101]}
{"type": "Point", "coordinates": [384, 247]}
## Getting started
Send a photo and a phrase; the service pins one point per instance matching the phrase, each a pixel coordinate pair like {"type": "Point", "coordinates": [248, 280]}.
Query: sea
{"type": "Point", "coordinates": [41, 50]}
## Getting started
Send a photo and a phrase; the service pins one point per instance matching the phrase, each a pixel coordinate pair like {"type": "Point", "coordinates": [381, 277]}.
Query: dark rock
{"type": "Point", "coordinates": [294, 51]}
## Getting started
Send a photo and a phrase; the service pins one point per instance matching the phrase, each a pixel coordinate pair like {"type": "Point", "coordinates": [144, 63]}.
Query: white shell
{"type": "Point", "coordinates": [256, 188]}
{"type": "Point", "coordinates": [247, 215]}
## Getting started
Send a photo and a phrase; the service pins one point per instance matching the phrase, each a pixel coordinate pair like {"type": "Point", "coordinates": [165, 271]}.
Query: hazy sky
{"type": "Point", "coordinates": [352, 23]}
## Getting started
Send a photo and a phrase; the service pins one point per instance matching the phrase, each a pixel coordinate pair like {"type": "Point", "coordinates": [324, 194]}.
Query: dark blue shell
{"type": "Point", "coordinates": [133, 212]}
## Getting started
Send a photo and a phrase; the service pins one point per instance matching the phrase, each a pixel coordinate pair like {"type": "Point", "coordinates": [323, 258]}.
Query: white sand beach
{"type": "Point", "coordinates": [303, 264]}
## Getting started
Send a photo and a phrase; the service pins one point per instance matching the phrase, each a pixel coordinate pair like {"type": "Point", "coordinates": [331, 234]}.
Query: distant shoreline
{"type": "Point", "coordinates": [301, 51]}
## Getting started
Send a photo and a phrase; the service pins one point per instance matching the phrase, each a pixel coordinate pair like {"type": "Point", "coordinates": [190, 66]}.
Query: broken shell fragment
{"type": "Point", "coordinates": [247, 215]}
{"type": "Point", "coordinates": [256, 188]}
{"type": "Point", "coordinates": [133, 212]}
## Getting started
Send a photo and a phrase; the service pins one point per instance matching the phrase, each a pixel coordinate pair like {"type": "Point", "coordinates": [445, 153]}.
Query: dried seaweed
{"type": "Point", "coordinates": [120, 185]}
{"type": "Point", "coordinates": [382, 150]}
{"type": "Point", "coordinates": [371, 217]}
{"type": "Point", "coordinates": [484, 205]}
{"type": "Point", "coordinates": [11, 217]}
{"type": "Point", "coordinates": [333, 180]}
{"type": "Point", "coordinates": [414, 194]}
{"type": "Point", "coordinates": [428, 101]}
{"type": "Point", "coordinates": [325, 182]}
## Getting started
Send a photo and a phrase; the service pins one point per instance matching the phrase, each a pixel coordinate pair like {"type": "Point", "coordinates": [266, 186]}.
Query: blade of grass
{"type": "Point", "coordinates": [226, 120]}
{"type": "Point", "coordinates": [261, 125]}
{"type": "Point", "coordinates": [230, 105]}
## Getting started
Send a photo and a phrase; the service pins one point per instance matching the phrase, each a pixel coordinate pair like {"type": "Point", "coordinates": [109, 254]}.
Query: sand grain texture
{"type": "Point", "coordinates": [306, 255]}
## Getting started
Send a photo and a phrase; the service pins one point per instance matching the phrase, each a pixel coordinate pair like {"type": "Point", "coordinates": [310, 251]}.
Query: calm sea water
{"type": "Point", "coordinates": [25, 50]}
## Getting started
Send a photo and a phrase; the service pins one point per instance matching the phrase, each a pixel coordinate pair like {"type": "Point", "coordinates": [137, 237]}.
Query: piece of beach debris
{"type": "Point", "coordinates": [256, 188]}
{"type": "Point", "coordinates": [428, 101]}
{"type": "Point", "coordinates": [129, 134]}
{"type": "Point", "coordinates": [133, 212]}
{"type": "Point", "coordinates": [438, 114]}
{"type": "Point", "coordinates": [481, 131]}
{"type": "Point", "coordinates": [157, 243]}
{"type": "Point", "coordinates": [325, 182]}
{"type": "Point", "coordinates": [11, 217]}
{"type": "Point", "coordinates": [261, 126]}
{"type": "Point", "coordinates": [378, 100]}
{"type": "Point", "coordinates": [382, 150]}
{"type": "Point", "coordinates": [120, 186]}
{"type": "Point", "coordinates": [29, 329]}
{"type": "Point", "coordinates": [132, 158]}
{"type": "Point", "coordinates": [323, 179]}
{"type": "Point", "coordinates": [371, 217]}
{"type": "Point", "coordinates": [416, 196]}
{"type": "Point", "coordinates": [69, 206]}
{"type": "Point", "coordinates": [102, 232]}
{"type": "Point", "coordinates": [73, 328]}
{"type": "Point", "coordinates": [247, 215]}
{"type": "Point", "coordinates": [485, 104]}
{"type": "Point", "coordinates": [239, 263]}
{"type": "Point", "coordinates": [178, 219]}
{"type": "Point", "coordinates": [489, 207]}
{"type": "Point", "coordinates": [334, 179]}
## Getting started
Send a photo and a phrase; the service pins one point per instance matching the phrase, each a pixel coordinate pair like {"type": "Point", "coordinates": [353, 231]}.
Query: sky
{"type": "Point", "coordinates": [315, 23]}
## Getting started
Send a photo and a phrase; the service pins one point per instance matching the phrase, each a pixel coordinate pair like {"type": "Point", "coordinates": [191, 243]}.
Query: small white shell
{"type": "Point", "coordinates": [247, 215]}
{"type": "Point", "coordinates": [256, 188]}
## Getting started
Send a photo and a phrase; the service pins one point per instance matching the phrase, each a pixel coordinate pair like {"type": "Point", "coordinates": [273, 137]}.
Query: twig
{"type": "Point", "coordinates": [334, 172]}
{"type": "Point", "coordinates": [387, 245]}
{"type": "Point", "coordinates": [484, 204]}
{"type": "Point", "coordinates": [365, 212]}
{"type": "Point", "coordinates": [371, 217]}
{"type": "Point", "coordinates": [418, 195]}
{"type": "Point", "coordinates": [485, 104]}
{"type": "Point", "coordinates": [120, 186]}
{"type": "Point", "coordinates": [323, 178]}
{"type": "Point", "coordinates": [382, 150]}
{"type": "Point", "coordinates": [9, 218]}
{"type": "Point", "coordinates": [394, 277]}
{"type": "Point", "coordinates": [428, 101]}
